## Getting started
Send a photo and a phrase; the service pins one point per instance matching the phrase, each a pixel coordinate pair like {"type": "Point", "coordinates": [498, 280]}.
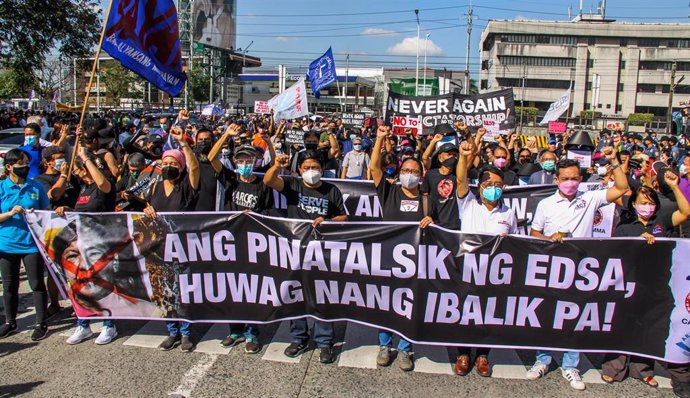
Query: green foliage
{"type": "Point", "coordinates": [527, 111]}
{"type": "Point", "coordinates": [31, 30]}
{"type": "Point", "coordinates": [117, 82]}
{"type": "Point", "coordinates": [198, 83]}
{"type": "Point", "coordinates": [640, 119]}
{"type": "Point", "coordinates": [8, 86]}
{"type": "Point", "coordinates": [474, 89]}
{"type": "Point", "coordinates": [590, 114]}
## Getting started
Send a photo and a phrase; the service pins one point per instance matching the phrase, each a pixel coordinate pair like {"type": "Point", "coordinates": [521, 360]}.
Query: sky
{"type": "Point", "coordinates": [382, 33]}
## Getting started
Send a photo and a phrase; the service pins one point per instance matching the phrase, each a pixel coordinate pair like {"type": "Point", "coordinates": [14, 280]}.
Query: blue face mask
{"type": "Point", "coordinates": [352, 137]}
{"type": "Point", "coordinates": [30, 140]}
{"type": "Point", "coordinates": [390, 171]}
{"type": "Point", "coordinates": [245, 170]}
{"type": "Point", "coordinates": [357, 147]}
{"type": "Point", "coordinates": [492, 194]}
{"type": "Point", "coordinates": [548, 165]}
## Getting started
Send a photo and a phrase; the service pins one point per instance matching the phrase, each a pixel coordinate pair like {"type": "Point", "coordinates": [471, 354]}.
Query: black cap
{"type": "Point", "coordinates": [246, 150]}
{"type": "Point", "coordinates": [444, 128]}
{"type": "Point", "coordinates": [50, 151]}
{"type": "Point", "coordinates": [447, 147]}
{"type": "Point", "coordinates": [637, 136]}
{"type": "Point", "coordinates": [154, 139]}
{"type": "Point", "coordinates": [649, 138]}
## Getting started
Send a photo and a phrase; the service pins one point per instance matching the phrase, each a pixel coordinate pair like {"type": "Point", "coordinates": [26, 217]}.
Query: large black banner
{"type": "Point", "coordinates": [432, 286]}
{"type": "Point", "coordinates": [494, 110]}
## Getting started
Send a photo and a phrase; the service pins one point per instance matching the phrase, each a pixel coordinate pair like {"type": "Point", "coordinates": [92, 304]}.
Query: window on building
{"type": "Point", "coordinates": [588, 105]}
{"type": "Point", "coordinates": [539, 39]}
{"type": "Point", "coordinates": [592, 41]}
{"type": "Point", "coordinates": [589, 85]}
{"type": "Point", "coordinates": [619, 108]}
{"type": "Point", "coordinates": [646, 88]}
{"type": "Point", "coordinates": [679, 89]}
{"type": "Point", "coordinates": [608, 106]}
{"type": "Point", "coordinates": [622, 64]}
{"type": "Point", "coordinates": [485, 64]}
{"type": "Point", "coordinates": [648, 43]}
{"type": "Point", "coordinates": [624, 42]}
{"type": "Point", "coordinates": [620, 87]}
{"type": "Point", "coordinates": [590, 63]}
{"type": "Point", "coordinates": [538, 61]}
{"type": "Point", "coordinates": [679, 43]}
{"type": "Point", "coordinates": [484, 84]}
{"type": "Point", "coordinates": [534, 83]}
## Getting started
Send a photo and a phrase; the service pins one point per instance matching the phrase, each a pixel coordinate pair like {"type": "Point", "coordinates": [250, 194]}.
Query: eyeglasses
{"type": "Point", "coordinates": [410, 171]}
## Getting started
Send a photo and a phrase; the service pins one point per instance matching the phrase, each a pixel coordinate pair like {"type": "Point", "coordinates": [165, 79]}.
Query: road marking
{"type": "Point", "coordinates": [151, 335]}
{"type": "Point", "coordinates": [280, 341]}
{"type": "Point", "coordinates": [210, 343]}
{"type": "Point", "coordinates": [506, 364]}
{"type": "Point", "coordinates": [193, 377]}
{"type": "Point", "coordinates": [432, 359]}
{"type": "Point", "coordinates": [357, 350]}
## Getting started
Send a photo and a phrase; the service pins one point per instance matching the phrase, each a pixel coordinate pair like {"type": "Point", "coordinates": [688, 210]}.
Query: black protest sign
{"type": "Point", "coordinates": [431, 286]}
{"type": "Point", "coordinates": [353, 119]}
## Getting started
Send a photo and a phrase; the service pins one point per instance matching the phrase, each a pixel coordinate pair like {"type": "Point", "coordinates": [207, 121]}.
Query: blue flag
{"type": "Point", "coordinates": [144, 36]}
{"type": "Point", "coordinates": [322, 72]}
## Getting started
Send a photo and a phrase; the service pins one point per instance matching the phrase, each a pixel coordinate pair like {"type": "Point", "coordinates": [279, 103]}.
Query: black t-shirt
{"type": "Point", "coordinates": [69, 198]}
{"type": "Point", "coordinates": [92, 199]}
{"type": "Point", "coordinates": [182, 197]}
{"type": "Point", "coordinates": [307, 203]}
{"type": "Point", "coordinates": [510, 178]}
{"type": "Point", "coordinates": [208, 188]}
{"type": "Point", "coordinates": [396, 206]}
{"type": "Point", "coordinates": [443, 206]}
{"type": "Point", "coordinates": [240, 195]}
{"type": "Point", "coordinates": [660, 225]}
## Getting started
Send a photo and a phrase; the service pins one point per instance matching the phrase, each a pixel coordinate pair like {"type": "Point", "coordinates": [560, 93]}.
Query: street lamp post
{"type": "Point", "coordinates": [416, 74]}
{"type": "Point", "coordinates": [426, 44]}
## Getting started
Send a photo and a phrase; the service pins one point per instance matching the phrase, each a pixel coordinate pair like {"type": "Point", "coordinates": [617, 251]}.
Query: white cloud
{"type": "Point", "coordinates": [378, 32]}
{"type": "Point", "coordinates": [284, 39]}
{"type": "Point", "coordinates": [408, 46]}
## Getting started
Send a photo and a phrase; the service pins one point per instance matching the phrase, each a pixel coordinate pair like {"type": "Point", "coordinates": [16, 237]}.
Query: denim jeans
{"type": "Point", "coordinates": [175, 328]}
{"type": "Point", "coordinates": [570, 359]}
{"type": "Point", "coordinates": [323, 332]}
{"type": "Point", "coordinates": [85, 323]}
{"type": "Point", "coordinates": [250, 332]}
{"type": "Point", "coordinates": [386, 340]}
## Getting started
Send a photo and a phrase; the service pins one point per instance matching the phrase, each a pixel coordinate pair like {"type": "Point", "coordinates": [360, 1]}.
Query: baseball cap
{"type": "Point", "coordinates": [50, 151]}
{"type": "Point", "coordinates": [551, 141]}
{"type": "Point", "coordinates": [448, 147]}
{"type": "Point", "coordinates": [246, 150]}
{"type": "Point", "coordinates": [407, 149]}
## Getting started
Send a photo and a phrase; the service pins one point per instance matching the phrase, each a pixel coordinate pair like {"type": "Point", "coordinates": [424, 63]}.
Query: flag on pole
{"type": "Point", "coordinates": [291, 103]}
{"type": "Point", "coordinates": [213, 110]}
{"type": "Point", "coordinates": [145, 38]}
{"type": "Point", "coordinates": [557, 108]}
{"type": "Point", "coordinates": [322, 72]}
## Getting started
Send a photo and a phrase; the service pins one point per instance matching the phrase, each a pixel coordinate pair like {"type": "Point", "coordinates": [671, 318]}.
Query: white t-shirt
{"type": "Point", "coordinates": [476, 218]}
{"type": "Point", "coordinates": [556, 213]}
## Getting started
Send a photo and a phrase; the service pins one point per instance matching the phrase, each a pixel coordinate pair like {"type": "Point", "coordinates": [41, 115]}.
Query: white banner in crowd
{"type": "Point", "coordinates": [291, 103]}
{"type": "Point", "coordinates": [557, 108]}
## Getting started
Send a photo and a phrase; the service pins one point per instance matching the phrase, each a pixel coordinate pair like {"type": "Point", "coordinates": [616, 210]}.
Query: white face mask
{"type": "Point", "coordinates": [312, 177]}
{"type": "Point", "coordinates": [409, 181]}
{"type": "Point", "coordinates": [601, 170]}
{"type": "Point", "coordinates": [59, 163]}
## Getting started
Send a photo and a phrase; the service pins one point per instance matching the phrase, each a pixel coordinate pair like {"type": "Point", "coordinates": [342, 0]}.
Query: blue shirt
{"type": "Point", "coordinates": [35, 161]}
{"type": "Point", "coordinates": [14, 233]}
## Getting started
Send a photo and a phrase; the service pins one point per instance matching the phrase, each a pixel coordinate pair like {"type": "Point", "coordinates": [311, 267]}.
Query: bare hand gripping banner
{"type": "Point", "coordinates": [432, 286]}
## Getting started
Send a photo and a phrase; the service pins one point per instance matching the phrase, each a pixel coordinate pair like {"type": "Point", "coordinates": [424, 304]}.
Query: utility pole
{"type": "Point", "coordinates": [672, 88]}
{"type": "Point", "coordinates": [416, 73]}
{"type": "Point", "coordinates": [347, 77]}
{"type": "Point", "coordinates": [467, 50]}
{"type": "Point", "coordinates": [522, 91]}
{"type": "Point", "coordinates": [426, 44]}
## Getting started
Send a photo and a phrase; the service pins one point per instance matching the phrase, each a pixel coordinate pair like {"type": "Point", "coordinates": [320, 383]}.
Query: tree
{"type": "Point", "coordinates": [198, 83]}
{"type": "Point", "coordinates": [117, 81]}
{"type": "Point", "coordinates": [640, 119]}
{"type": "Point", "coordinates": [474, 89]}
{"type": "Point", "coordinates": [8, 88]}
{"type": "Point", "coordinates": [32, 29]}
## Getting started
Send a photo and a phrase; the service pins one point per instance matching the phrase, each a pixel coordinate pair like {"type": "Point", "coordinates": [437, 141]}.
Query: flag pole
{"type": "Point", "coordinates": [88, 91]}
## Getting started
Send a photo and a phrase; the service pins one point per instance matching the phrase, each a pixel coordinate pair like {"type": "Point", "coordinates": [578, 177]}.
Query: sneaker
{"type": "Point", "coordinates": [573, 377]}
{"type": "Point", "coordinates": [538, 370]}
{"type": "Point", "coordinates": [7, 329]}
{"type": "Point", "coordinates": [384, 356]}
{"type": "Point", "coordinates": [187, 344]}
{"type": "Point", "coordinates": [232, 340]}
{"type": "Point", "coordinates": [40, 332]}
{"type": "Point", "coordinates": [107, 335]}
{"type": "Point", "coordinates": [405, 361]}
{"type": "Point", "coordinates": [252, 347]}
{"type": "Point", "coordinates": [79, 335]}
{"type": "Point", "coordinates": [295, 349]}
{"type": "Point", "coordinates": [170, 342]}
{"type": "Point", "coordinates": [328, 355]}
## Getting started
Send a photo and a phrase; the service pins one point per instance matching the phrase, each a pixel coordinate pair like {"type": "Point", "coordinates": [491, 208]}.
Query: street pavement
{"type": "Point", "coordinates": [132, 366]}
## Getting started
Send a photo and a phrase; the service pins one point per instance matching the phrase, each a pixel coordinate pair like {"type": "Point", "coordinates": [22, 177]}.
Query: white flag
{"type": "Point", "coordinates": [291, 103]}
{"type": "Point", "coordinates": [557, 108]}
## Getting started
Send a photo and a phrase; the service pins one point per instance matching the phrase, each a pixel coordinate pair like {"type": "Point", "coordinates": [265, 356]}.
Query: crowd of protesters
{"type": "Point", "coordinates": [133, 164]}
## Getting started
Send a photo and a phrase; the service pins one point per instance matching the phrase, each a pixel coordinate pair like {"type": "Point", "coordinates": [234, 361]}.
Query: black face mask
{"type": "Point", "coordinates": [20, 171]}
{"type": "Point", "coordinates": [450, 163]}
{"type": "Point", "coordinates": [311, 147]}
{"type": "Point", "coordinates": [203, 147]}
{"type": "Point", "coordinates": [170, 173]}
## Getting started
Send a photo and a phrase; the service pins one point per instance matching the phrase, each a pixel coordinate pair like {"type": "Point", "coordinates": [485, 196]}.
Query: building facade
{"type": "Point", "coordinates": [611, 67]}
